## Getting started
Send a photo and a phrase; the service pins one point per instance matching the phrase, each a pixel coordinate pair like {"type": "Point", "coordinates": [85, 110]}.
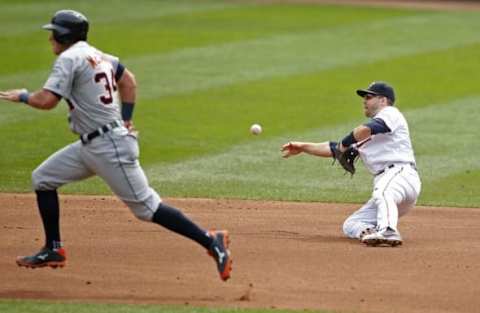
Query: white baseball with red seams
{"type": "Point", "coordinates": [256, 129]}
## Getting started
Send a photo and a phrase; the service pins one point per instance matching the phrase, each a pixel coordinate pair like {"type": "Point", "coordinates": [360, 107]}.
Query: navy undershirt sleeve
{"type": "Point", "coordinates": [119, 72]}
{"type": "Point", "coordinates": [378, 126]}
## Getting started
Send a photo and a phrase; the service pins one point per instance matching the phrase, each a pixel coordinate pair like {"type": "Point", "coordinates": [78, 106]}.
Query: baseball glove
{"type": "Point", "coordinates": [347, 158]}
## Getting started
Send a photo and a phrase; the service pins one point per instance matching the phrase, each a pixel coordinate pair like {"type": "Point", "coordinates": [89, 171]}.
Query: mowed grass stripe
{"type": "Point", "coordinates": [209, 122]}
{"type": "Point", "coordinates": [421, 79]}
{"type": "Point", "coordinates": [215, 119]}
{"type": "Point", "coordinates": [256, 169]}
{"type": "Point", "coordinates": [202, 68]}
{"type": "Point", "coordinates": [157, 35]}
{"type": "Point", "coordinates": [325, 16]}
{"type": "Point", "coordinates": [196, 69]}
{"type": "Point", "coordinates": [237, 24]}
{"type": "Point", "coordinates": [133, 29]}
{"type": "Point", "coordinates": [25, 17]}
{"type": "Point", "coordinates": [290, 54]}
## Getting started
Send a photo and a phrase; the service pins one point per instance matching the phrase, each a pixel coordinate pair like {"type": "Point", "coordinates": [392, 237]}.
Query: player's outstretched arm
{"type": "Point", "coordinates": [321, 149]}
{"type": "Point", "coordinates": [42, 99]}
{"type": "Point", "coordinates": [11, 95]}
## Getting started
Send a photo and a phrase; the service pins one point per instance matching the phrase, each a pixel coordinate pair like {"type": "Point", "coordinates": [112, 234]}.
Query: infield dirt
{"type": "Point", "coordinates": [286, 255]}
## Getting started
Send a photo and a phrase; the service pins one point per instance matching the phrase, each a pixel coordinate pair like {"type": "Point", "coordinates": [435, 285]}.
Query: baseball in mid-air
{"type": "Point", "coordinates": [256, 129]}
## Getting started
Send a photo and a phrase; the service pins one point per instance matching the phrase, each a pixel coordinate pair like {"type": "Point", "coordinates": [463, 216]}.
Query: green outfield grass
{"type": "Point", "coordinates": [15, 306]}
{"type": "Point", "coordinates": [207, 70]}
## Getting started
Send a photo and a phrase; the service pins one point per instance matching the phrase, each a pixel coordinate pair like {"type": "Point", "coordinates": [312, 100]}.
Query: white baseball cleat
{"type": "Point", "coordinates": [387, 238]}
{"type": "Point", "coordinates": [365, 232]}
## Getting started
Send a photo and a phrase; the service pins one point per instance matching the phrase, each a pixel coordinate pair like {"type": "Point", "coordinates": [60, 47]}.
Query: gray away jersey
{"type": "Point", "coordinates": [85, 78]}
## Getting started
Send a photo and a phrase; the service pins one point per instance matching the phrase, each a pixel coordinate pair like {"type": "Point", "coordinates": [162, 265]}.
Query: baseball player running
{"type": "Point", "coordinates": [385, 148]}
{"type": "Point", "coordinates": [94, 84]}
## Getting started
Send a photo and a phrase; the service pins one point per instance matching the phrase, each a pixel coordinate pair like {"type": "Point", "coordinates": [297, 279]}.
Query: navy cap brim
{"type": "Point", "coordinates": [364, 92]}
{"type": "Point", "coordinates": [60, 29]}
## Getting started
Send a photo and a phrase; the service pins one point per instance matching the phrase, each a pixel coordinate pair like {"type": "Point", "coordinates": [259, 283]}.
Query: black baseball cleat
{"type": "Point", "coordinates": [219, 251]}
{"type": "Point", "coordinates": [45, 257]}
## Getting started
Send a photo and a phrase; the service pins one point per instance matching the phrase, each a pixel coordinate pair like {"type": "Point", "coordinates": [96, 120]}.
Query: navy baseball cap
{"type": "Point", "coordinates": [378, 89]}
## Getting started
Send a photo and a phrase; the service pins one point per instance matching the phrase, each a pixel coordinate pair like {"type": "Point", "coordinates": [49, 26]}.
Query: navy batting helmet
{"type": "Point", "coordinates": [68, 26]}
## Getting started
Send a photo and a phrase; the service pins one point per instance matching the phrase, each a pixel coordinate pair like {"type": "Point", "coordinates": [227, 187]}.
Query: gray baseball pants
{"type": "Point", "coordinates": [113, 157]}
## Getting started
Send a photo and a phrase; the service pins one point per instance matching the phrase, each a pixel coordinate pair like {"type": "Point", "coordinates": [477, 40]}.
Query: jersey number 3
{"type": "Point", "coordinates": [109, 85]}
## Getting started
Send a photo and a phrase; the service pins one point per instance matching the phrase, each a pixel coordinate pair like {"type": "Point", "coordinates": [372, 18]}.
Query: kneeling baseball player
{"type": "Point", "coordinates": [385, 148]}
{"type": "Point", "coordinates": [94, 84]}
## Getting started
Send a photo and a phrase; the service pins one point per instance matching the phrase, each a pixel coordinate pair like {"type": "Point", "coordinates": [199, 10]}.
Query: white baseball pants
{"type": "Point", "coordinates": [395, 192]}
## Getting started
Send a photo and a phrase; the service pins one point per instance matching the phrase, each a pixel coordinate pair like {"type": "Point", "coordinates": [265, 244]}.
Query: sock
{"type": "Point", "coordinates": [49, 208]}
{"type": "Point", "coordinates": [174, 220]}
{"type": "Point", "coordinates": [57, 245]}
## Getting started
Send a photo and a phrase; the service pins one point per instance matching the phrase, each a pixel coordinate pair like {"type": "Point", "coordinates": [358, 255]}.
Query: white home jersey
{"type": "Point", "coordinates": [85, 78]}
{"type": "Point", "coordinates": [389, 148]}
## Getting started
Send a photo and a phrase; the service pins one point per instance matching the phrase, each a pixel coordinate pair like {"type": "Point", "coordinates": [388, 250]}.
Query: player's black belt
{"type": "Point", "coordinates": [86, 138]}
{"type": "Point", "coordinates": [393, 165]}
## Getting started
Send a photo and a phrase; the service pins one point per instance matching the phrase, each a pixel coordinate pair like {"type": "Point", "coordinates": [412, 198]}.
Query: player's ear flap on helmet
{"type": "Point", "coordinates": [68, 26]}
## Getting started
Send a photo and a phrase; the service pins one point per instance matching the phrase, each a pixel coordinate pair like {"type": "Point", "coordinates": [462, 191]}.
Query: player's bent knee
{"type": "Point", "coordinates": [141, 211]}
{"type": "Point", "coordinates": [39, 182]}
{"type": "Point", "coordinates": [143, 207]}
{"type": "Point", "coordinates": [143, 215]}
{"type": "Point", "coordinates": [348, 228]}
